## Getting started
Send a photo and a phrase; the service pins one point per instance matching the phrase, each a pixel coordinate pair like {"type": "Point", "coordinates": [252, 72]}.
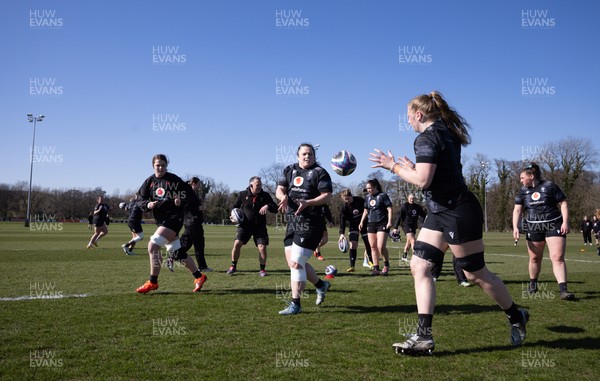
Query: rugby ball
{"type": "Point", "coordinates": [343, 245]}
{"type": "Point", "coordinates": [237, 216]}
{"type": "Point", "coordinates": [395, 237]}
{"type": "Point", "coordinates": [330, 271]}
{"type": "Point", "coordinates": [343, 163]}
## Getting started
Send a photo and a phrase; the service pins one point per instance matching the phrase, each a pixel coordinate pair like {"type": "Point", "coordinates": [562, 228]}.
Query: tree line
{"type": "Point", "coordinates": [569, 162]}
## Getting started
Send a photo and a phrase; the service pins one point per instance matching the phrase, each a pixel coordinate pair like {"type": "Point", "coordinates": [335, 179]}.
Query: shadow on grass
{"type": "Point", "coordinates": [440, 309]}
{"type": "Point", "coordinates": [566, 329]}
{"type": "Point", "coordinates": [526, 281]}
{"type": "Point", "coordinates": [591, 343]}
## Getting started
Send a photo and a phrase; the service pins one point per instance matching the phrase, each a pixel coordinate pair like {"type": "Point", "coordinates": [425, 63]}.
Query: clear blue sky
{"type": "Point", "coordinates": [111, 75]}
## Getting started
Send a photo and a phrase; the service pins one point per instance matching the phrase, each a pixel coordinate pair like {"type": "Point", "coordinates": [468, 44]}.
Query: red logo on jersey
{"type": "Point", "coordinates": [372, 202]}
{"type": "Point", "coordinates": [159, 192]}
{"type": "Point", "coordinates": [535, 196]}
{"type": "Point", "coordinates": [298, 181]}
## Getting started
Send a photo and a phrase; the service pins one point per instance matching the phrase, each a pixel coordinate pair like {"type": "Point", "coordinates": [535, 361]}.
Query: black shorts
{"type": "Point", "coordinates": [407, 228]}
{"type": "Point", "coordinates": [305, 232]}
{"type": "Point", "coordinates": [135, 227]}
{"type": "Point", "coordinates": [99, 223]}
{"type": "Point", "coordinates": [538, 232]}
{"type": "Point", "coordinates": [377, 227]}
{"type": "Point", "coordinates": [174, 223]}
{"type": "Point", "coordinates": [261, 237]}
{"type": "Point", "coordinates": [462, 224]}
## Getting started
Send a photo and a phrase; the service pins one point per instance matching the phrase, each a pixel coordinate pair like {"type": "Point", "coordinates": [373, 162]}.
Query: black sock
{"type": "Point", "coordinates": [262, 267]}
{"type": "Point", "coordinates": [319, 284]}
{"type": "Point", "coordinates": [153, 279]}
{"type": "Point", "coordinates": [376, 267]}
{"type": "Point", "coordinates": [405, 255]}
{"type": "Point", "coordinates": [234, 263]}
{"type": "Point", "coordinates": [352, 257]}
{"type": "Point", "coordinates": [562, 286]}
{"type": "Point", "coordinates": [424, 326]}
{"type": "Point", "coordinates": [296, 301]}
{"type": "Point", "coordinates": [197, 274]}
{"type": "Point", "coordinates": [386, 263]}
{"type": "Point", "coordinates": [513, 314]}
{"type": "Point", "coordinates": [533, 284]}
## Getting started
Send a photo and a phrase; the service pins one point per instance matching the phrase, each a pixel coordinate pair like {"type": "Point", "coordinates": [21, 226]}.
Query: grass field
{"type": "Point", "coordinates": [96, 327]}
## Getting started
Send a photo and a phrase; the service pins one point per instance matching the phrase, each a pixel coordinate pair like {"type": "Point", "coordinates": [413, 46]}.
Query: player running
{"type": "Point", "coordinates": [165, 194]}
{"type": "Point", "coordinates": [99, 221]}
{"type": "Point", "coordinates": [455, 217]}
{"type": "Point", "coordinates": [134, 222]}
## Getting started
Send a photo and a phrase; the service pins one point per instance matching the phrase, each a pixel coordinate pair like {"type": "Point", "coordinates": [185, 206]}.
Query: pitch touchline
{"type": "Point", "coordinates": [29, 297]}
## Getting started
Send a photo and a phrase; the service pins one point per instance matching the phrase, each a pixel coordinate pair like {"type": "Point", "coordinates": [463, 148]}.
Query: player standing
{"type": "Point", "coordinates": [378, 213]}
{"type": "Point", "coordinates": [351, 213]}
{"type": "Point", "coordinates": [546, 222]}
{"type": "Point", "coordinates": [254, 203]}
{"type": "Point", "coordinates": [302, 190]}
{"type": "Point", "coordinates": [409, 220]}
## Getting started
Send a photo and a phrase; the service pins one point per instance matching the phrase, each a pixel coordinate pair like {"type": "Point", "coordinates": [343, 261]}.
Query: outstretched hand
{"type": "Point", "coordinates": [381, 159]}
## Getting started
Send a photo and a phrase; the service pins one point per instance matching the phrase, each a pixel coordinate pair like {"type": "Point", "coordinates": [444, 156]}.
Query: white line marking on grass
{"type": "Point", "coordinates": [30, 297]}
{"type": "Point", "coordinates": [527, 257]}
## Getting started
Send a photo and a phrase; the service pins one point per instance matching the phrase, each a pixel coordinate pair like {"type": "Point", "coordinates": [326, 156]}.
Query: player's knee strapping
{"type": "Point", "coordinates": [173, 246]}
{"type": "Point", "coordinates": [138, 237]}
{"type": "Point", "coordinates": [472, 262]}
{"type": "Point", "coordinates": [158, 240]}
{"type": "Point", "coordinates": [300, 256]}
{"type": "Point", "coordinates": [429, 253]}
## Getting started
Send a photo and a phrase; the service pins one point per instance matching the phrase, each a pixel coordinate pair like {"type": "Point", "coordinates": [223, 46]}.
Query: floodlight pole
{"type": "Point", "coordinates": [484, 167]}
{"type": "Point", "coordinates": [34, 120]}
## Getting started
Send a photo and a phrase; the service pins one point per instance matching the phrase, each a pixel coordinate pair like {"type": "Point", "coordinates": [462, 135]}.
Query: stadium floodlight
{"type": "Point", "coordinates": [34, 120]}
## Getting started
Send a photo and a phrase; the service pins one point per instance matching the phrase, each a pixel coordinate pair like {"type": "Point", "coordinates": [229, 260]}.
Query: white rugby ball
{"type": "Point", "coordinates": [237, 216]}
{"type": "Point", "coordinates": [343, 245]}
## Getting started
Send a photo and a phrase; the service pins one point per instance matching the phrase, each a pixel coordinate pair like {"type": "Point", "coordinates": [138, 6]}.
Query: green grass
{"type": "Point", "coordinates": [232, 331]}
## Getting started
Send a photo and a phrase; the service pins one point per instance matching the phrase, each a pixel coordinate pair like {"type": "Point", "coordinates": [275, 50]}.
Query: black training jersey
{"type": "Point", "coordinates": [377, 206]}
{"type": "Point", "coordinates": [409, 214]}
{"type": "Point", "coordinates": [164, 190]}
{"type": "Point", "coordinates": [596, 226]}
{"type": "Point", "coordinates": [351, 213]}
{"type": "Point", "coordinates": [191, 212]}
{"type": "Point", "coordinates": [250, 204]}
{"type": "Point", "coordinates": [436, 145]}
{"type": "Point", "coordinates": [586, 225]}
{"type": "Point", "coordinates": [305, 184]}
{"type": "Point", "coordinates": [100, 213]}
{"type": "Point", "coordinates": [135, 212]}
{"type": "Point", "coordinates": [541, 202]}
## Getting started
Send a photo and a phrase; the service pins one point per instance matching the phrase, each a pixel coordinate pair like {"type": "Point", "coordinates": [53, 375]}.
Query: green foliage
{"type": "Point", "coordinates": [232, 331]}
